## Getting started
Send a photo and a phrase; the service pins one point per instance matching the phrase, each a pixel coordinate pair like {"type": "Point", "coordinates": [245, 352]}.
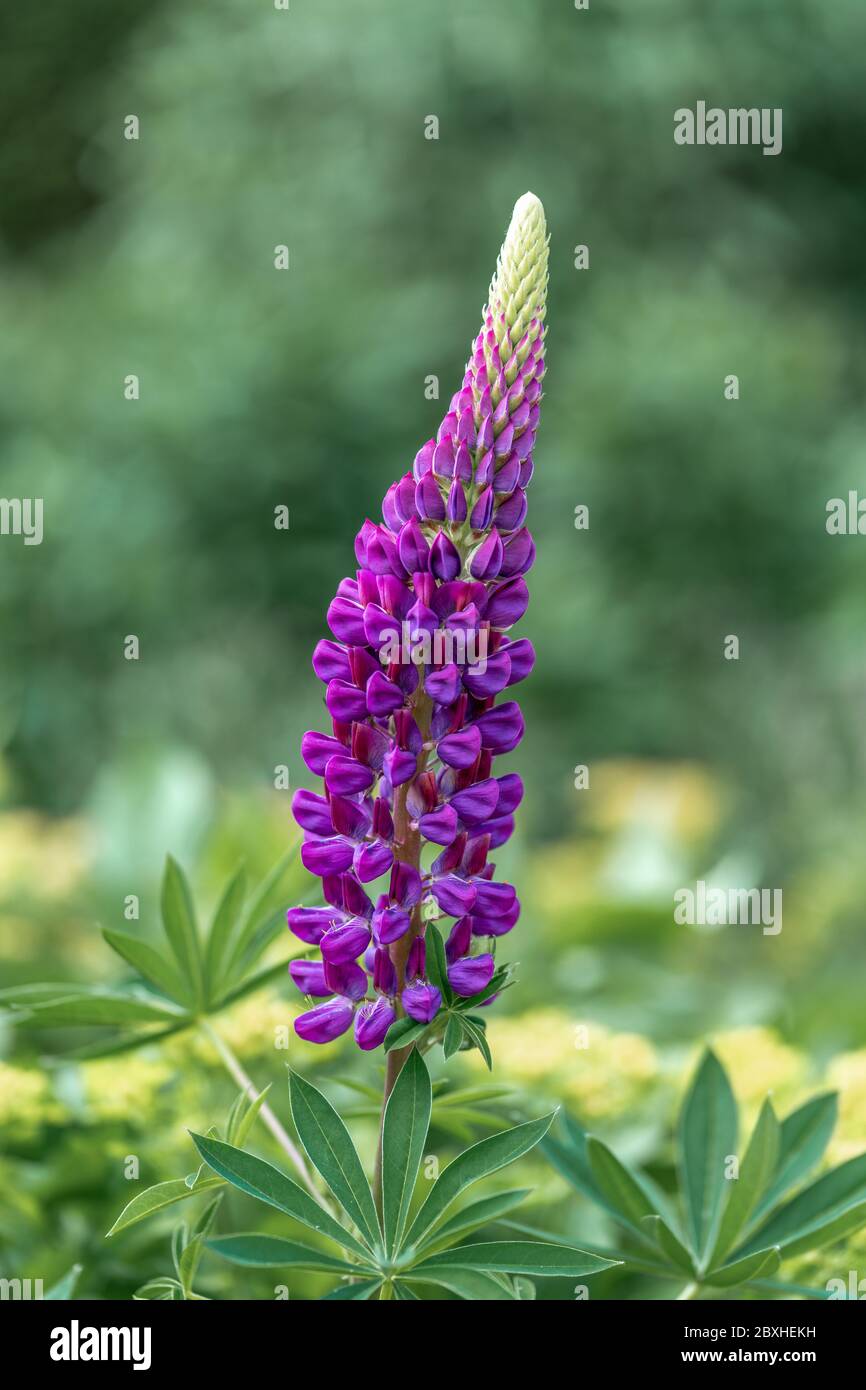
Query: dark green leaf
{"type": "Point", "coordinates": [477, 1038]}
{"type": "Point", "coordinates": [474, 1216]}
{"type": "Point", "coordinates": [328, 1143]}
{"type": "Point", "coordinates": [756, 1170]}
{"type": "Point", "coordinates": [517, 1257]}
{"type": "Point", "coordinates": [272, 1252]}
{"type": "Point", "coordinates": [262, 1180]}
{"type": "Point", "coordinates": [818, 1206]}
{"type": "Point", "coordinates": [178, 919]}
{"type": "Point", "coordinates": [403, 1032]}
{"type": "Point", "coordinates": [453, 1036]}
{"type": "Point", "coordinates": [358, 1291]}
{"type": "Point", "coordinates": [669, 1244]}
{"type": "Point", "coordinates": [437, 965]}
{"type": "Point", "coordinates": [222, 928]}
{"type": "Point", "coordinates": [470, 1284]}
{"type": "Point", "coordinates": [404, 1133]}
{"type": "Point", "coordinates": [617, 1184]}
{"type": "Point", "coordinates": [707, 1138]}
{"type": "Point", "coordinates": [477, 1162]}
{"type": "Point", "coordinates": [763, 1262]}
{"type": "Point", "coordinates": [803, 1139]}
{"type": "Point", "coordinates": [163, 1194]}
{"type": "Point", "coordinates": [150, 964]}
{"type": "Point", "coordinates": [103, 1009]}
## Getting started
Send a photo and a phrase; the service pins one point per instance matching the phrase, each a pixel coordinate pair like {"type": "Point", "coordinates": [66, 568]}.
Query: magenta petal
{"type": "Point", "coordinates": [312, 812]}
{"type": "Point", "coordinates": [454, 895]}
{"type": "Point", "coordinates": [326, 1022]}
{"type": "Point", "coordinates": [310, 923]}
{"type": "Point", "coordinates": [309, 976]}
{"type": "Point", "coordinates": [346, 941]}
{"type": "Point", "coordinates": [439, 826]}
{"type": "Point", "coordinates": [346, 776]}
{"type": "Point", "coordinates": [421, 1002]}
{"type": "Point", "coordinates": [330, 856]}
{"type": "Point", "coordinates": [470, 975]}
{"type": "Point", "coordinates": [477, 802]}
{"type": "Point", "coordinates": [372, 860]}
{"type": "Point", "coordinates": [372, 1022]}
{"type": "Point", "coordinates": [460, 749]}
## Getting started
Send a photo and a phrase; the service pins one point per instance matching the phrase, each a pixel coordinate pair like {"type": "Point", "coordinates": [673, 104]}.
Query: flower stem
{"type": "Point", "coordinates": [690, 1291]}
{"type": "Point", "coordinates": [240, 1077]}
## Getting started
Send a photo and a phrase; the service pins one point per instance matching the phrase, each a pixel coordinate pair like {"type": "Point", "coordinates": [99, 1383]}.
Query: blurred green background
{"type": "Point", "coordinates": [305, 388]}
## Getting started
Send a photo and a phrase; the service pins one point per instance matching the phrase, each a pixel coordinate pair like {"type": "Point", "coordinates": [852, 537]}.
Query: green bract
{"type": "Point", "coordinates": [729, 1224]}
{"type": "Point", "coordinates": [405, 1246]}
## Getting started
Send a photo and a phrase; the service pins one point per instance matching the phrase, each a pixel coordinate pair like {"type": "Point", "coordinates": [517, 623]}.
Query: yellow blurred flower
{"type": "Point", "coordinates": [40, 857]}
{"type": "Point", "coordinates": [847, 1075]}
{"type": "Point", "coordinates": [26, 1101]}
{"type": "Point", "coordinates": [759, 1063]}
{"type": "Point", "coordinates": [124, 1088]}
{"type": "Point", "coordinates": [603, 1073]}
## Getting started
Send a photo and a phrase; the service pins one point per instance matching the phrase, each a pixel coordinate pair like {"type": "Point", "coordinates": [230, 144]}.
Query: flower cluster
{"type": "Point", "coordinates": [420, 654]}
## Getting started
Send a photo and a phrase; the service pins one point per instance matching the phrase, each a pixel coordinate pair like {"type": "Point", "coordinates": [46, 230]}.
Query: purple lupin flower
{"type": "Point", "coordinates": [421, 649]}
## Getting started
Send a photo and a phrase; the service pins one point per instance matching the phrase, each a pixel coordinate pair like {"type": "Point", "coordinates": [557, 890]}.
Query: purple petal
{"type": "Point", "coordinates": [326, 1022]}
{"type": "Point", "coordinates": [346, 941]}
{"type": "Point", "coordinates": [470, 975]}
{"type": "Point", "coordinates": [421, 1002]}
{"type": "Point", "coordinates": [372, 1022]}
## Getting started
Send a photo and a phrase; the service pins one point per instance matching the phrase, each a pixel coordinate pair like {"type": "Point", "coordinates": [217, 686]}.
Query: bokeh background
{"type": "Point", "coordinates": [306, 388]}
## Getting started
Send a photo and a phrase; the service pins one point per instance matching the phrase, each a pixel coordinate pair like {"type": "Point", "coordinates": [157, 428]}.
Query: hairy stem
{"type": "Point", "coordinates": [241, 1079]}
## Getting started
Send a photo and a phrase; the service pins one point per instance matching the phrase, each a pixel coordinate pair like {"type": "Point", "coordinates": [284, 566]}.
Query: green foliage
{"type": "Point", "coordinates": [183, 980]}
{"type": "Point", "coordinates": [722, 1231]}
{"type": "Point", "coordinates": [240, 1121]}
{"type": "Point", "coordinates": [380, 1255]}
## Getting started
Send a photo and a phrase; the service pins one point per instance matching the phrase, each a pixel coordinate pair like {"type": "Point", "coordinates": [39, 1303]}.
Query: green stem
{"type": "Point", "coordinates": [239, 1076]}
{"type": "Point", "coordinates": [690, 1291]}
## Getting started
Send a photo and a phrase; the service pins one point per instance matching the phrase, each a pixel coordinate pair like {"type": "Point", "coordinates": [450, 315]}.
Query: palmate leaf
{"type": "Point", "coordinates": [403, 1033]}
{"type": "Point", "coordinates": [518, 1257]}
{"type": "Point", "coordinates": [330, 1149]}
{"type": "Point", "coordinates": [156, 1198]}
{"type": "Point", "coordinates": [471, 1284]}
{"type": "Point", "coordinates": [776, 1158]}
{"type": "Point", "coordinates": [151, 965]}
{"type": "Point", "coordinates": [479, 1161]}
{"type": "Point", "coordinates": [224, 923]}
{"type": "Point", "coordinates": [358, 1291]}
{"type": "Point", "coordinates": [618, 1185]}
{"type": "Point", "coordinates": [96, 1008]}
{"type": "Point", "coordinates": [707, 1137]}
{"type": "Point", "coordinates": [259, 1179]}
{"type": "Point", "coordinates": [756, 1170]}
{"type": "Point", "coordinates": [669, 1244]}
{"type": "Point", "coordinates": [272, 1252]}
{"type": "Point", "coordinates": [826, 1210]}
{"type": "Point", "coordinates": [404, 1134]}
{"type": "Point", "coordinates": [804, 1136]}
{"type": "Point", "coordinates": [476, 1214]}
{"type": "Point", "coordinates": [178, 920]}
{"type": "Point", "coordinates": [763, 1262]}
{"type": "Point", "coordinates": [437, 965]}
